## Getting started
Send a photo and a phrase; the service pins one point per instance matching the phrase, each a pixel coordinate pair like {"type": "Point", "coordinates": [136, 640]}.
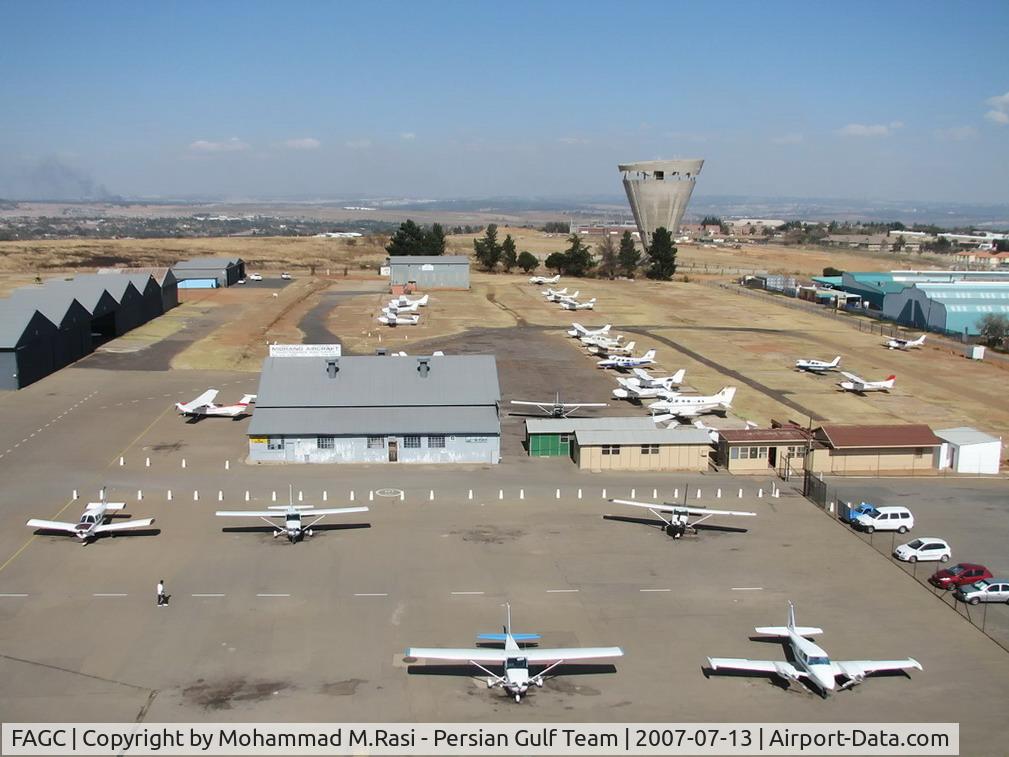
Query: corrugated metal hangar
{"type": "Point", "coordinates": [44, 328]}
{"type": "Point", "coordinates": [226, 271]}
{"type": "Point", "coordinates": [429, 271]}
{"type": "Point", "coordinates": [375, 409]}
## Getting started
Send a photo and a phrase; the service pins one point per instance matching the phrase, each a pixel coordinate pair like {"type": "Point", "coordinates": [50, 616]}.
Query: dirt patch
{"type": "Point", "coordinates": [562, 685]}
{"type": "Point", "coordinates": [220, 695]}
{"type": "Point", "coordinates": [342, 688]}
{"type": "Point", "coordinates": [490, 534]}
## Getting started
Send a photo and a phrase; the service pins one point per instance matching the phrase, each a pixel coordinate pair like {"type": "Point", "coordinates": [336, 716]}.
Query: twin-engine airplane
{"type": "Point", "coordinates": [573, 304]}
{"type": "Point", "coordinates": [904, 344]}
{"type": "Point", "coordinates": [645, 386]}
{"type": "Point", "coordinates": [677, 517]}
{"type": "Point", "coordinates": [517, 661]}
{"type": "Point", "coordinates": [391, 319]}
{"type": "Point", "coordinates": [544, 279]}
{"type": "Point", "coordinates": [294, 516]}
{"type": "Point", "coordinates": [578, 331]}
{"type": "Point", "coordinates": [690, 406]}
{"type": "Point", "coordinates": [204, 406]}
{"type": "Point", "coordinates": [861, 386]}
{"type": "Point", "coordinates": [811, 663]}
{"type": "Point", "coordinates": [558, 409]}
{"type": "Point", "coordinates": [626, 362]}
{"type": "Point", "coordinates": [92, 523]}
{"type": "Point", "coordinates": [817, 366]}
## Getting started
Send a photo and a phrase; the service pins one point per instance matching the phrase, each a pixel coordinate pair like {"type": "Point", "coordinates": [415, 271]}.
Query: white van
{"type": "Point", "coordinates": [897, 519]}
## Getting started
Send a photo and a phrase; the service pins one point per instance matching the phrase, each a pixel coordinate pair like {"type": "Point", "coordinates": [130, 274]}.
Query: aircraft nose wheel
{"type": "Point", "coordinates": [675, 530]}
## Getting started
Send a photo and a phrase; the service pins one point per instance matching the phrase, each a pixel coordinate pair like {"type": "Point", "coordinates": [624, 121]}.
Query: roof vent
{"type": "Point", "coordinates": [423, 366]}
{"type": "Point", "coordinates": [332, 367]}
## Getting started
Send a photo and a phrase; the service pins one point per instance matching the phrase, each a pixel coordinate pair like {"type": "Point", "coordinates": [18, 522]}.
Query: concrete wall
{"type": "Point", "coordinates": [872, 461]}
{"type": "Point", "coordinates": [457, 449]}
{"type": "Point", "coordinates": [981, 458]}
{"type": "Point", "coordinates": [683, 457]}
{"type": "Point", "coordinates": [430, 276]}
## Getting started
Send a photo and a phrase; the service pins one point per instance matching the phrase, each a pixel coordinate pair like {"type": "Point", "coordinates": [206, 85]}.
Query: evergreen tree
{"type": "Point", "coordinates": [527, 261]}
{"type": "Point", "coordinates": [607, 257]}
{"type": "Point", "coordinates": [628, 256]}
{"type": "Point", "coordinates": [487, 249]}
{"type": "Point", "coordinates": [409, 239]}
{"type": "Point", "coordinates": [555, 261]}
{"type": "Point", "coordinates": [578, 259]}
{"type": "Point", "coordinates": [436, 240]}
{"type": "Point", "coordinates": [509, 256]}
{"type": "Point", "coordinates": [662, 255]}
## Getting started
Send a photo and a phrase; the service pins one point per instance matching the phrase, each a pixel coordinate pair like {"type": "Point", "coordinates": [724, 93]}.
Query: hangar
{"type": "Point", "coordinates": [373, 409]}
{"type": "Point", "coordinates": [429, 271]}
{"type": "Point", "coordinates": [72, 340]}
{"type": "Point", "coordinates": [163, 277]}
{"type": "Point", "coordinates": [967, 450]}
{"type": "Point", "coordinates": [226, 271]}
{"type": "Point", "coordinates": [26, 344]}
{"type": "Point", "coordinates": [554, 437]}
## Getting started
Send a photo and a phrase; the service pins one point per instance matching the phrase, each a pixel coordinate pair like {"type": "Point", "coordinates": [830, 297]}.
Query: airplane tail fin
{"type": "Point", "coordinates": [247, 399]}
{"type": "Point", "coordinates": [790, 628]}
{"type": "Point", "coordinates": [423, 300]}
{"type": "Point", "coordinates": [679, 376]}
{"type": "Point", "coordinates": [504, 636]}
{"type": "Point", "coordinates": [650, 355]}
{"type": "Point", "coordinates": [836, 361]}
{"type": "Point", "coordinates": [605, 329]}
{"type": "Point", "coordinates": [727, 394]}
{"type": "Point", "coordinates": [629, 345]}
{"type": "Point", "coordinates": [891, 378]}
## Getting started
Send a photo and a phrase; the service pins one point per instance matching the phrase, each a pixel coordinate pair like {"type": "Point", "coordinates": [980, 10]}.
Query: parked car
{"type": "Point", "coordinates": [986, 590]}
{"type": "Point", "coordinates": [851, 514]}
{"type": "Point", "coordinates": [960, 574]}
{"type": "Point", "coordinates": [255, 277]}
{"type": "Point", "coordinates": [286, 276]}
{"type": "Point", "coordinates": [897, 519]}
{"type": "Point", "coordinates": [241, 281]}
{"type": "Point", "coordinates": [925, 549]}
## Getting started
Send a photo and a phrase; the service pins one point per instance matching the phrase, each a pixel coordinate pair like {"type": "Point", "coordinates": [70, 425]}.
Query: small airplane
{"type": "Point", "coordinates": [403, 301]}
{"type": "Point", "coordinates": [817, 366]}
{"type": "Point", "coordinates": [644, 385]}
{"type": "Point", "coordinates": [578, 331]}
{"type": "Point", "coordinates": [294, 526]}
{"type": "Point", "coordinates": [861, 386]}
{"type": "Point", "coordinates": [575, 305]}
{"type": "Point", "coordinates": [558, 409]}
{"type": "Point", "coordinates": [541, 280]}
{"type": "Point", "coordinates": [550, 292]}
{"type": "Point", "coordinates": [391, 319]}
{"type": "Point", "coordinates": [92, 523]}
{"type": "Point", "coordinates": [682, 406]}
{"type": "Point", "coordinates": [811, 662]}
{"type": "Point", "coordinates": [563, 296]}
{"type": "Point", "coordinates": [607, 347]}
{"type": "Point", "coordinates": [678, 521]}
{"type": "Point", "coordinates": [204, 406]}
{"type": "Point", "coordinates": [393, 307]}
{"type": "Point", "coordinates": [602, 342]}
{"type": "Point", "coordinates": [904, 344]}
{"type": "Point", "coordinates": [625, 362]}
{"type": "Point", "coordinates": [516, 660]}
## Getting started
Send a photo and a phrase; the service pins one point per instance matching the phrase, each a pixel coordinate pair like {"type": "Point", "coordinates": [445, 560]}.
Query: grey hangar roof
{"type": "Point", "coordinates": [571, 425]}
{"type": "Point", "coordinates": [428, 260]}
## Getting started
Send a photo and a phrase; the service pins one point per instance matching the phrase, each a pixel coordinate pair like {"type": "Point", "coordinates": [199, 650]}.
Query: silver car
{"type": "Point", "coordinates": [986, 590]}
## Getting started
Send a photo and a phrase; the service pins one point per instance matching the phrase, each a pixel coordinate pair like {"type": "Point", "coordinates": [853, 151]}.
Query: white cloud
{"type": "Point", "coordinates": [358, 144]}
{"type": "Point", "coordinates": [573, 140]}
{"type": "Point", "coordinates": [302, 143]}
{"type": "Point", "coordinates": [997, 116]}
{"type": "Point", "coordinates": [999, 102]}
{"type": "Point", "coordinates": [870, 130]}
{"type": "Point", "coordinates": [792, 138]}
{"type": "Point", "coordinates": [408, 136]}
{"type": "Point", "coordinates": [229, 145]}
{"type": "Point", "coordinates": [957, 133]}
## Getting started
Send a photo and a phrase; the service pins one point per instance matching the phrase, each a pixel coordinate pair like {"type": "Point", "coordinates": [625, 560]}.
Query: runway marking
{"type": "Point", "coordinates": [206, 595]}
{"type": "Point", "coordinates": [747, 588]}
{"type": "Point", "coordinates": [110, 595]}
{"type": "Point", "coordinates": [647, 590]}
{"type": "Point", "coordinates": [464, 593]}
{"type": "Point", "coordinates": [371, 595]}
{"type": "Point", "coordinates": [12, 595]}
{"type": "Point", "coordinates": [273, 595]}
{"type": "Point", "coordinates": [562, 591]}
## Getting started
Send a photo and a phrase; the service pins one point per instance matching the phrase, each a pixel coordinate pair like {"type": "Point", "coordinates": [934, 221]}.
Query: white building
{"type": "Point", "coordinates": [967, 450]}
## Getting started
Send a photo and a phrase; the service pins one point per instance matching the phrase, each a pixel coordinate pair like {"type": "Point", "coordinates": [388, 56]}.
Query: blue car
{"type": "Point", "coordinates": [850, 514]}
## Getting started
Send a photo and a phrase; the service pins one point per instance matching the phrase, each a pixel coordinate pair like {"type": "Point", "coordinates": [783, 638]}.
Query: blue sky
{"type": "Point", "coordinates": [450, 99]}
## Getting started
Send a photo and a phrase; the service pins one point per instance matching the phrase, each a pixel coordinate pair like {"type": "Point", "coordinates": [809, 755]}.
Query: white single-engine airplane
{"type": "Point", "coordinates": [541, 280]}
{"type": "Point", "coordinates": [626, 362]}
{"type": "Point", "coordinates": [92, 523]}
{"type": "Point", "coordinates": [690, 406]}
{"type": "Point", "coordinates": [603, 344]}
{"type": "Point", "coordinates": [860, 385]}
{"type": "Point", "coordinates": [573, 304]}
{"type": "Point", "coordinates": [404, 302]}
{"type": "Point", "coordinates": [393, 307]}
{"type": "Point", "coordinates": [817, 366]}
{"type": "Point", "coordinates": [204, 406]}
{"type": "Point", "coordinates": [391, 319]}
{"type": "Point", "coordinates": [563, 296]}
{"type": "Point", "coordinates": [516, 660]}
{"type": "Point", "coordinates": [578, 331]}
{"type": "Point", "coordinates": [558, 409]}
{"type": "Point", "coordinates": [677, 519]}
{"type": "Point", "coordinates": [904, 344]}
{"type": "Point", "coordinates": [550, 292]}
{"type": "Point", "coordinates": [294, 516]}
{"type": "Point", "coordinates": [811, 662]}
{"type": "Point", "coordinates": [645, 386]}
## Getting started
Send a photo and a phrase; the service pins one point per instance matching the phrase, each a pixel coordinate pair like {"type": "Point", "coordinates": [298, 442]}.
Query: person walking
{"type": "Point", "coordinates": [162, 600]}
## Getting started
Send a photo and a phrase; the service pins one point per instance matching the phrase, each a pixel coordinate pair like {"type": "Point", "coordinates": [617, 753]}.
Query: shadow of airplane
{"type": "Point", "coordinates": [656, 523]}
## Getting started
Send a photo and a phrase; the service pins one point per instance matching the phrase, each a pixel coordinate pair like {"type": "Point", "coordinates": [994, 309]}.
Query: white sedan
{"type": "Point", "coordinates": [255, 277]}
{"type": "Point", "coordinates": [285, 276]}
{"type": "Point", "coordinates": [925, 549]}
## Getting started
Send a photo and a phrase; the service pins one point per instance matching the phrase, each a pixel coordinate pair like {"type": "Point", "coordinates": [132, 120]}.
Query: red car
{"type": "Point", "coordinates": [959, 575]}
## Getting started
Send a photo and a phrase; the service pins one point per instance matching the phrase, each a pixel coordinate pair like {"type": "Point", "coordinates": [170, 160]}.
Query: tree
{"type": "Point", "coordinates": [607, 257]}
{"type": "Point", "coordinates": [527, 261]}
{"type": "Point", "coordinates": [898, 245]}
{"type": "Point", "coordinates": [411, 239]}
{"type": "Point", "coordinates": [435, 240]}
{"type": "Point", "coordinates": [556, 227]}
{"type": "Point", "coordinates": [994, 329]}
{"type": "Point", "coordinates": [578, 259]}
{"type": "Point", "coordinates": [487, 249]}
{"type": "Point", "coordinates": [662, 255]}
{"type": "Point", "coordinates": [831, 271]}
{"type": "Point", "coordinates": [629, 257]}
{"type": "Point", "coordinates": [509, 257]}
{"type": "Point", "coordinates": [555, 261]}
{"type": "Point", "coordinates": [711, 221]}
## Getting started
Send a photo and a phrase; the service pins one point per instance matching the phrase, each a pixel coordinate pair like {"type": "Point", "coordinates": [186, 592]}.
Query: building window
{"type": "Point", "coordinates": [649, 449]}
{"type": "Point", "coordinates": [436, 441]}
{"type": "Point", "coordinates": [275, 442]}
{"type": "Point", "coordinates": [565, 438]}
{"type": "Point", "coordinates": [734, 453]}
{"type": "Point", "coordinates": [376, 442]}
{"type": "Point", "coordinates": [611, 449]}
{"type": "Point", "coordinates": [412, 442]}
{"type": "Point", "coordinates": [761, 452]}
{"type": "Point", "coordinates": [326, 442]}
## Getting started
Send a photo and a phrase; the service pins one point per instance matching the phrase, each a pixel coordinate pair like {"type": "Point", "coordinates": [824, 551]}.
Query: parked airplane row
{"type": "Point", "coordinates": [568, 301]}
{"type": "Point", "coordinates": [402, 311]}
{"type": "Point", "coordinates": [853, 383]}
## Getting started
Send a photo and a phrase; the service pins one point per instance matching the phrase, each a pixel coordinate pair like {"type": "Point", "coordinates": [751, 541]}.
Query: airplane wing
{"type": "Point", "coordinates": [333, 511]}
{"type": "Point", "coordinates": [681, 508]}
{"type": "Point", "coordinates": [855, 669]}
{"type": "Point", "coordinates": [642, 374]}
{"type": "Point", "coordinates": [853, 378]}
{"type": "Point", "coordinates": [687, 412]}
{"type": "Point", "coordinates": [487, 654]}
{"type": "Point", "coordinates": [785, 669]}
{"type": "Point", "coordinates": [576, 405]}
{"type": "Point", "coordinates": [252, 513]}
{"type": "Point", "coordinates": [51, 525]}
{"type": "Point", "coordinates": [124, 525]}
{"type": "Point", "coordinates": [207, 398]}
{"type": "Point", "coordinates": [569, 653]}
